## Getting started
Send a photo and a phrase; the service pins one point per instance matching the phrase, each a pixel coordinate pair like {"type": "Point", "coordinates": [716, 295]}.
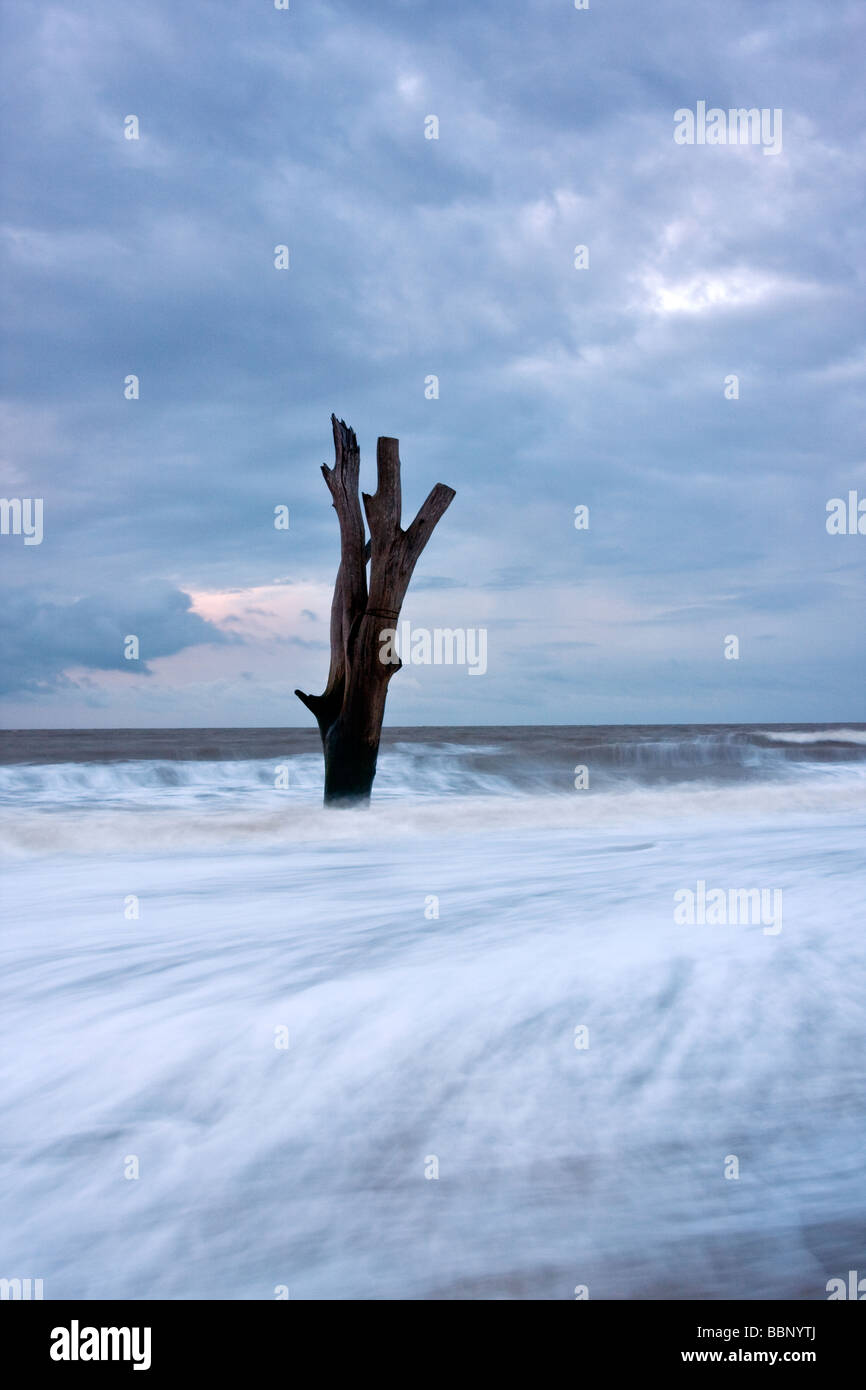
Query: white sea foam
{"type": "Point", "coordinates": [169, 806]}
{"type": "Point", "coordinates": [413, 1036]}
{"type": "Point", "coordinates": [829, 735]}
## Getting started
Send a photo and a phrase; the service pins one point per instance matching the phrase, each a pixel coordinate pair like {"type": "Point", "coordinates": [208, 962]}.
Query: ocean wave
{"type": "Point", "coordinates": [444, 1027]}
{"type": "Point", "coordinates": [856, 737]}
{"type": "Point", "coordinates": [516, 779]}
{"type": "Point", "coordinates": [532, 760]}
{"type": "Point", "coordinates": [269, 819]}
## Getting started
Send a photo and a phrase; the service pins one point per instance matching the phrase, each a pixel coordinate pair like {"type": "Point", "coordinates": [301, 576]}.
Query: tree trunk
{"type": "Point", "coordinates": [350, 710]}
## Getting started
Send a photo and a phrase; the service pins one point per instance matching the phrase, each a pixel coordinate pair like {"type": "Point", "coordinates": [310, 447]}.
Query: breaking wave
{"type": "Point", "coordinates": [433, 788]}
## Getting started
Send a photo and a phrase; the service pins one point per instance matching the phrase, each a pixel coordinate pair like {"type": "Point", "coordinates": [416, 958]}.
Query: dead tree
{"type": "Point", "coordinates": [350, 710]}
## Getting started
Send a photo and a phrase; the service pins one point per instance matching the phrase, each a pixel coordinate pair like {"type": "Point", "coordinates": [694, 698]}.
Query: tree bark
{"type": "Point", "coordinates": [351, 708]}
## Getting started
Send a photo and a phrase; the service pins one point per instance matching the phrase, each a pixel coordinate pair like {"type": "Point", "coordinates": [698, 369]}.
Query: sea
{"type": "Point", "coordinates": [566, 1012]}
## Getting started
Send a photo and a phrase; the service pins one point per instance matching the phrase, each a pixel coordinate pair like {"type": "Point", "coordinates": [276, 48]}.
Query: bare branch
{"type": "Point", "coordinates": [429, 513]}
{"type": "Point", "coordinates": [384, 507]}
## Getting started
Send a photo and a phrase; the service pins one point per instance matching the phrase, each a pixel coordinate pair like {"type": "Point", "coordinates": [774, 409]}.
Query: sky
{"type": "Point", "coordinates": [605, 385]}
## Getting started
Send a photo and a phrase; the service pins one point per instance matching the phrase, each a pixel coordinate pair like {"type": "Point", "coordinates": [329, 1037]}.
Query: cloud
{"type": "Point", "coordinates": [413, 257]}
{"type": "Point", "coordinates": [41, 642]}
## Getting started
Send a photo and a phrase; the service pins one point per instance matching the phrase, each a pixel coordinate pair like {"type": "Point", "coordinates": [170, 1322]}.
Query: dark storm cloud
{"type": "Point", "coordinates": [454, 258]}
{"type": "Point", "coordinates": [39, 641]}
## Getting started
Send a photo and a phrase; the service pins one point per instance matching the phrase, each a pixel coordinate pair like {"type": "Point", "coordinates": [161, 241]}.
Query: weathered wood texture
{"type": "Point", "coordinates": [350, 710]}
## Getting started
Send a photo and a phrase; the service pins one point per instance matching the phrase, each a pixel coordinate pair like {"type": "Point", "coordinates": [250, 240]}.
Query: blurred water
{"type": "Point", "coordinates": [412, 1037]}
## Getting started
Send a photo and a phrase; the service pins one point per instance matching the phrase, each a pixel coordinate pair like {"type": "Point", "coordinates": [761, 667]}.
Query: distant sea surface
{"type": "Point", "coordinates": [173, 899]}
